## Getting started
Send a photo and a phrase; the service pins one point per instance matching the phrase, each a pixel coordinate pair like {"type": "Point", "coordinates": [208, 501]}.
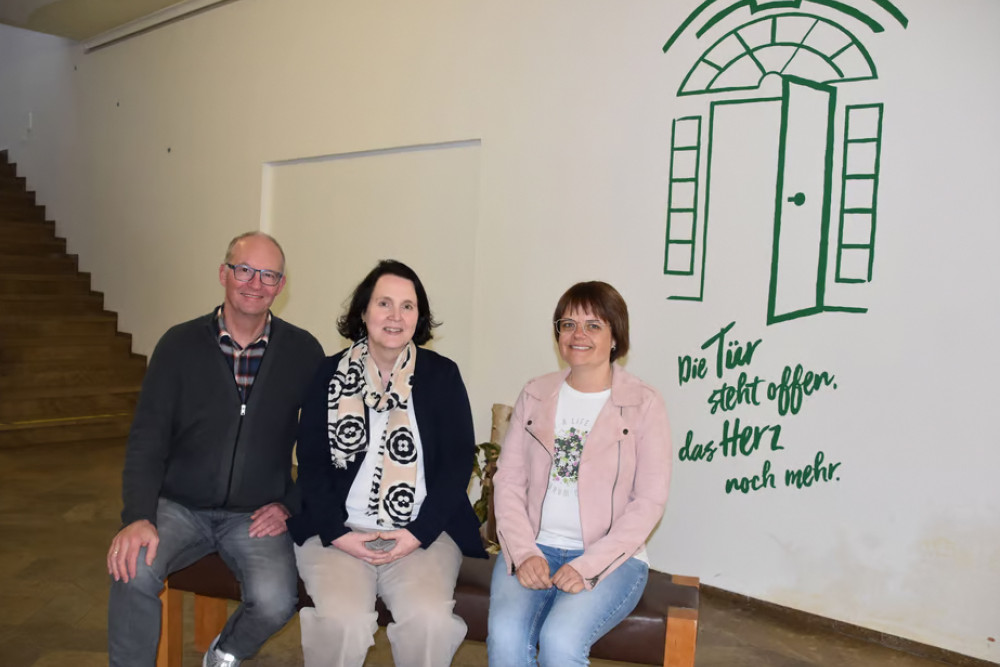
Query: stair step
{"type": "Point", "coordinates": [64, 351]}
{"type": "Point", "coordinates": [121, 372]}
{"type": "Point", "coordinates": [50, 247]}
{"type": "Point", "coordinates": [8, 183]}
{"type": "Point", "coordinates": [20, 340]}
{"type": "Point", "coordinates": [46, 371]}
{"type": "Point", "coordinates": [17, 197]}
{"type": "Point", "coordinates": [75, 391]}
{"type": "Point", "coordinates": [18, 305]}
{"type": "Point", "coordinates": [37, 264]}
{"type": "Point", "coordinates": [15, 213]}
{"type": "Point", "coordinates": [26, 230]}
{"type": "Point", "coordinates": [10, 224]}
{"type": "Point", "coordinates": [15, 409]}
{"type": "Point", "coordinates": [61, 326]}
{"type": "Point", "coordinates": [13, 225]}
{"type": "Point", "coordinates": [45, 284]}
{"type": "Point", "coordinates": [91, 427]}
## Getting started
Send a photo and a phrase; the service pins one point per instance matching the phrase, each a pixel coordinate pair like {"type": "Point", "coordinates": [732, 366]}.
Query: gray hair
{"type": "Point", "coordinates": [246, 235]}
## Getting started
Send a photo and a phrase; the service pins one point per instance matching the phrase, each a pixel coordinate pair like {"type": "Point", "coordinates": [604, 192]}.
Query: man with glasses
{"type": "Point", "coordinates": [208, 463]}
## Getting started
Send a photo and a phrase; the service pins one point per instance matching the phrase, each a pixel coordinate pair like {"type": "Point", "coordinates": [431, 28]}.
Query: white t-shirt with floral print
{"type": "Point", "coordinates": [575, 416]}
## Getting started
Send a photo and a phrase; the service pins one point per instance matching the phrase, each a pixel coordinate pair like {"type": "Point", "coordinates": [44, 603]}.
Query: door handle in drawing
{"type": "Point", "coordinates": [799, 199]}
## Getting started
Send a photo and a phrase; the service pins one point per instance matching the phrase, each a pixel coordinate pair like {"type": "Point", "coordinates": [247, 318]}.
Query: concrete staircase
{"type": "Point", "coordinates": [66, 372]}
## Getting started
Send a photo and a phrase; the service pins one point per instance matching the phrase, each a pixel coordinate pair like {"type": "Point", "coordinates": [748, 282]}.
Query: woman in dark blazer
{"type": "Point", "coordinates": [385, 451]}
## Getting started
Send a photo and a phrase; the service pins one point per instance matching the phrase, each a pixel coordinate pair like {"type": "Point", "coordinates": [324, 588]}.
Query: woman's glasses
{"type": "Point", "coordinates": [568, 326]}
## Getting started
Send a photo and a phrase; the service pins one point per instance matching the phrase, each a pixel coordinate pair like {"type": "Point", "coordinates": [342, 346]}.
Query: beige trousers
{"type": "Point", "coordinates": [418, 589]}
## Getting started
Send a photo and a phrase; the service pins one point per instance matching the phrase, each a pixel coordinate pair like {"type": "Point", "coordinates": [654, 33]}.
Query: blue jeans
{"type": "Point", "coordinates": [560, 627]}
{"type": "Point", "coordinates": [265, 567]}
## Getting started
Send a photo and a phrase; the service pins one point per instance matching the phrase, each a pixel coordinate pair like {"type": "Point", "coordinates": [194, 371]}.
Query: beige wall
{"type": "Point", "coordinates": [569, 105]}
{"type": "Point", "coordinates": [37, 80]}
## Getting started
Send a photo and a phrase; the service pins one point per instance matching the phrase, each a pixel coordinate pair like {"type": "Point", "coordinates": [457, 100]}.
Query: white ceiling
{"type": "Point", "coordinates": [76, 19]}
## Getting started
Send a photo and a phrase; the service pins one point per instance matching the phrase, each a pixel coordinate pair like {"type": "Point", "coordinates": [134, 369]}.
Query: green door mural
{"type": "Point", "coordinates": [802, 200]}
{"type": "Point", "coordinates": [810, 56]}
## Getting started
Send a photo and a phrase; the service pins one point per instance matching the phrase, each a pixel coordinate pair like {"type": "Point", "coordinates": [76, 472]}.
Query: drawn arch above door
{"type": "Point", "coordinates": [791, 44]}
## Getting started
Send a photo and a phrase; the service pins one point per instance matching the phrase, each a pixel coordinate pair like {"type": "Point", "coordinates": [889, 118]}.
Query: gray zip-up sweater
{"type": "Point", "coordinates": [193, 440]}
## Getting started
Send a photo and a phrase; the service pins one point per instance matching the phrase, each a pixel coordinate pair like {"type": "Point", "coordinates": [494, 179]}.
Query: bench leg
{"type": "Point", "coordinates": [170, 651]}
{"type": "Point", "coordinates": [209, 619]}
{"type": "Point", "coordinates": [682, 635]}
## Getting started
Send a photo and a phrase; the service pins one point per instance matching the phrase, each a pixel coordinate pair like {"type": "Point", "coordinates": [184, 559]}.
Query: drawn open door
{"type": "Point", "coordinates": [802, 205]}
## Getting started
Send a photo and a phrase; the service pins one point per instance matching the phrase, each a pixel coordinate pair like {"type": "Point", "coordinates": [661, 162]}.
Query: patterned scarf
{"type": "Point", "coordinates": [355, 384]}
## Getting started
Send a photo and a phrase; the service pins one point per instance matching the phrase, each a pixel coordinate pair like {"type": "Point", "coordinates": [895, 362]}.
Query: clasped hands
{"type": "Point", "coordinates": [353, 543]}
{"type": "Point", "coordinates": [534, 573]}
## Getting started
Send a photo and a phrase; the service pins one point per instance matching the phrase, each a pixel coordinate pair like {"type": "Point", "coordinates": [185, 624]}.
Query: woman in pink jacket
{"type": "Point", "coordinates": [581, 483]}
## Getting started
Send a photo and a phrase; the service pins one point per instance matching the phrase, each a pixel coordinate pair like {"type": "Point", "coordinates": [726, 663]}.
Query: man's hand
{"type": "Point", "coordinates": [124, 551]}
{"type": "Point", "coordinates": [269, 520]}
{"type": "Point", "coordinates": [534, 573]}
{"type": "Point", "coordinates": [406, 543]}
{"type": "Point", "coordinates": [568, 580]}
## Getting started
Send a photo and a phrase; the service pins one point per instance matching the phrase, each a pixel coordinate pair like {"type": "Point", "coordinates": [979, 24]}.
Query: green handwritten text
{"type": "Point", "coordinates": [735, 354]}
{"type": "Point", "coordinates": [729, 354]}
{"type": "Point", "coordinates": [696, 451]}
{"type": "Point", "coordinates": [756, 483]}
{"type": "Point", "coordinates": [727, 396]}
{"type": "Point", "coordinates": [816, 472]}
{"type": "Point", "coordinates": [736, 440]}
{"type": "Point", "coordinates": [794, 386]}
{"type": "Point", "coordinates": [747, 440]}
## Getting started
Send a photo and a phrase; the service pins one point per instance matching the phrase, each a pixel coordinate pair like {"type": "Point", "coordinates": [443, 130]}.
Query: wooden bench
{"type": "Point", "coordinates": [662, 630]}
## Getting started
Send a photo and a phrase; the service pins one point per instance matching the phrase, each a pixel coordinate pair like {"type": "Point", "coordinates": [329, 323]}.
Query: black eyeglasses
{"type": "Point", "coordinates": [244, 274]}
{"type": "Point", "coordinates": [567, 326]}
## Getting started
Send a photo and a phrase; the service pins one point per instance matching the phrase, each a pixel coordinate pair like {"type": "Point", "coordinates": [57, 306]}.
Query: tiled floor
{"type": "Point", "coordinates": [59, 507]}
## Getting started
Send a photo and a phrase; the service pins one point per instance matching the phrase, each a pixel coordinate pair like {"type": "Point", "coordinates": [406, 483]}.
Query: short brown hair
{"type": "Point", "coordinates": [604, 301]}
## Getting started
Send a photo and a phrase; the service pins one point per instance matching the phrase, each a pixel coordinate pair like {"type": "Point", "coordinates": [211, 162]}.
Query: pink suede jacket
{"type": "Point", "coordinates": [623, 478]}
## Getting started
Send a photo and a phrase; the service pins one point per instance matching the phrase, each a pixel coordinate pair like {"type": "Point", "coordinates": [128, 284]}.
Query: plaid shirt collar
{"type": "Point", "coordinates": [224, 336]}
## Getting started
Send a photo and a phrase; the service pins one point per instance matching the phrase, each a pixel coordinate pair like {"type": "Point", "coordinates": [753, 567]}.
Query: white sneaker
{"type": "Point", "coordinates": [216, 658]}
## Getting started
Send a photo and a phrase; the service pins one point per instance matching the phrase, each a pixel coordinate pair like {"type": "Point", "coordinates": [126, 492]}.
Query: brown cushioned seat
{"type": "Point", "coordinates": [640, 638]}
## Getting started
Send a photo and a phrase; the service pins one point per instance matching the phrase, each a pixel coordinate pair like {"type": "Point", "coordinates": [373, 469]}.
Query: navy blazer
{"type": "Point", "coordinates": [444, 420]}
